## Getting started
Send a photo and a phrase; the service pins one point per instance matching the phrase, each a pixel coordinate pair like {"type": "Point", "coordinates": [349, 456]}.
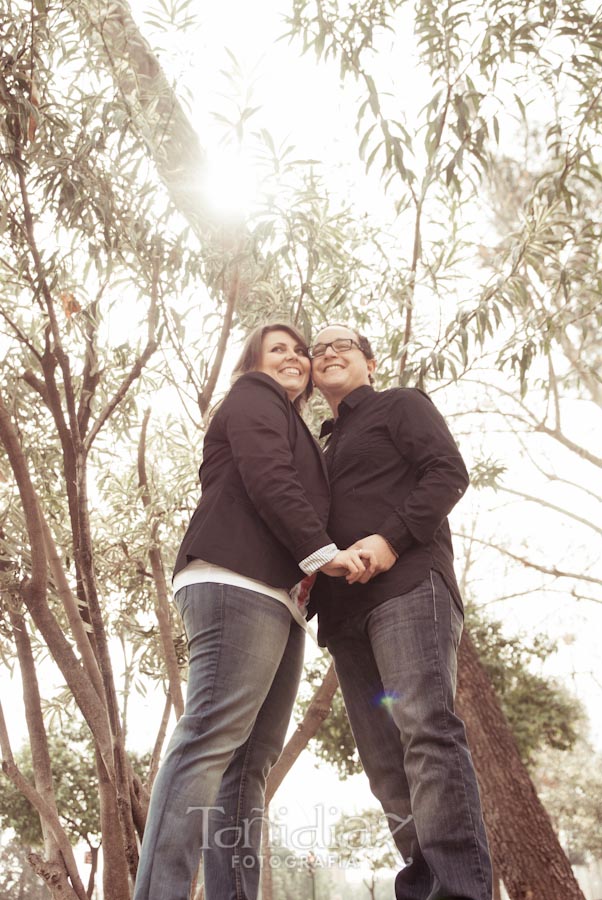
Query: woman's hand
{"type": "Point", "coordinates": [348, 563]}
{"type": "Point", "coordinates": [378, 554]}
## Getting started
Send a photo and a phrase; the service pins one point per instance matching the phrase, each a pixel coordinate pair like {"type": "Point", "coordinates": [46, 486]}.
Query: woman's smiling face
{"type": "Point", "coordinates": [286, 361]}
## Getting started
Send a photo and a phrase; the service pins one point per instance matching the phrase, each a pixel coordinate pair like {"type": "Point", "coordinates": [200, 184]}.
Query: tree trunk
{"type": "Point", "coordinates": [525, 849]}
{"type": "Point", "coordinates": [93, 870]}
{"type": "Point", "coordinates": [156, 112]}
{"type": "Point", "coordinates": [59, 857]}
{"type": "Point", "coordinates": [115, 881]}
{"type": "Point", "coordinates": [316, 713]}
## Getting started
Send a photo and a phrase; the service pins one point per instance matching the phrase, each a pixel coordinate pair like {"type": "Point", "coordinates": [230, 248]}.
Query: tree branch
{"type": "Point", "coordinates": [35, 596]}
{"type": "Point", "coordinates": [209, 387]}
{"type": "Point", "coordinates": [137, 368]}
{"type": "Point", "coordinates": [156, 754]}
{"type": "Point", "coordinates": [317, 711]}
{"type": "Point", "coordinates": [162, 607]}
{"type": "Point", "coordinates": [548, 505]}
{"type": "Point", "coordinates": [44, 810]}
{"type": "Point", "coordinates": [546, 570]}
{"type": "Point", "coordinates": [156, 112]}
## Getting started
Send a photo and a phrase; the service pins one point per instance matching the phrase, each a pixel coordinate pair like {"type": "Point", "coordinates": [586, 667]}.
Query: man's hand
{"type": "Point", "coordinates": [377, 554]}
{"type": "Point", "coordinates": [348, 563]}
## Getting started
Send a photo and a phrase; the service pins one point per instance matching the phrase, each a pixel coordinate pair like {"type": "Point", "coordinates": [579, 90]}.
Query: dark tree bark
{"type": "Point", "coordinates": [525, 849]}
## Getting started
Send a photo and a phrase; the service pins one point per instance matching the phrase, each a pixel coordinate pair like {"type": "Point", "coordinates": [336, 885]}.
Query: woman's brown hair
{"type": "Point", "coordinates": [250, 356]}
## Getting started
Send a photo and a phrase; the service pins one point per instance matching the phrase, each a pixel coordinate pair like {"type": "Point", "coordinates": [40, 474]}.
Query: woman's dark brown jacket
{"type": "Point", "coordinates": [265, 496]}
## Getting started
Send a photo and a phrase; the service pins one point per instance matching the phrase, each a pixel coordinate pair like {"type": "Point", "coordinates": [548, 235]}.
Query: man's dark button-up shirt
{"type": "Point", "coordinates": [394, 470]}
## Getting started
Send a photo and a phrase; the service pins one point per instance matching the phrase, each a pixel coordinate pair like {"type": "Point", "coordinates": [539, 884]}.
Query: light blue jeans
{"type": "Point", "coordinates": [246, 657]}
{"type": "Point", "coordinates": [397, 670]}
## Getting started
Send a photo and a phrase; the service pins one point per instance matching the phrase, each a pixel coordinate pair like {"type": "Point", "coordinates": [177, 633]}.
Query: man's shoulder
{"type": "Point", "coordinates": [401, 396]}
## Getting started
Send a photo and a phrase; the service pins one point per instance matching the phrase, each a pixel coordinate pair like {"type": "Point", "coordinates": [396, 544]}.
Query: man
{"type": "Point", "coordinates": [395, 474]}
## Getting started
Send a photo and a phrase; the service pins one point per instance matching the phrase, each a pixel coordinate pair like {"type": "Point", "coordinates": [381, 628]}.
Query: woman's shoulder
{"type": "Point", "coordinates": [258, 380]}
{"type": "Point", "coordinates": [260, 383]}
{"type": "Point", "coordinates": [255, 396]}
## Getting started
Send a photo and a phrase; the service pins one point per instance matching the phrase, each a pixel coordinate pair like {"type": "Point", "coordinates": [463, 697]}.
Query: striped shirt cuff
{"type": "Point", "coordinates": [318, 558]}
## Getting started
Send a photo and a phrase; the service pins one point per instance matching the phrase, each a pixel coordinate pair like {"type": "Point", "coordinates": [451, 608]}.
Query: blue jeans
{"type": "Point", "coordinates": [397, 670]}
{"type": "Point", "coordinates": [246, 657]}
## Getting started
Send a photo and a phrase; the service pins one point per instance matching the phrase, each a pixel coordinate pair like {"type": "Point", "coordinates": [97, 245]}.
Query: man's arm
{"type": "Point", "coordinates": [423, 439]}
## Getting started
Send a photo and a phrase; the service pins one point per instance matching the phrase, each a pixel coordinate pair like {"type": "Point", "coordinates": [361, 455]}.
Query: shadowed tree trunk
{"type": "Point", "coordinates": [525, 849]}
{"type": "Point", "coordinates": [317, 711]}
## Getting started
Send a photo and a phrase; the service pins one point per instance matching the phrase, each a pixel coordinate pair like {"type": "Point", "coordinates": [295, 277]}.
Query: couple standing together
{"type": "Point", "coordinates": [369, 517]}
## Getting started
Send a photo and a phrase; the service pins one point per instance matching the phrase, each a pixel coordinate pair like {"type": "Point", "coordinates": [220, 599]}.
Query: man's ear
{"type": "Point", "coordinates": [371, 363]}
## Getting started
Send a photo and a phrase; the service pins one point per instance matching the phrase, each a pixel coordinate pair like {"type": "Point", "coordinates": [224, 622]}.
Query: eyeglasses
{"type": "Point", "coordinates": [340, 345]}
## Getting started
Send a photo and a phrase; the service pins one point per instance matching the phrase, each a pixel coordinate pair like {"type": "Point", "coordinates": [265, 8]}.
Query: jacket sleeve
{"type": "Point", "coordinates": [256, 422]}
{"type": "Point", "coordinates": [423, 439]}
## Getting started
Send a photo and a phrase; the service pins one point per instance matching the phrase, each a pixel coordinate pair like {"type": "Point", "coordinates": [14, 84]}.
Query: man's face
{"type": "Point", "coordinates": [337, 374]}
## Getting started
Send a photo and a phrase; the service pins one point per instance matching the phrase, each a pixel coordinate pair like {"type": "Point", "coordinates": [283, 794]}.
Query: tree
{"type": "Point", "coordinates": [505, 788]}
{"type": "Point", "coordinates": [77, 797]}
{"type": "Point", "coordinates": [570, 786]}
{"type": "Point", "coordinates": [17, 879]}
{"type": "Point", "coordinates": [100, 223]}
{"type": "Point", "coordinates": [365, 839]}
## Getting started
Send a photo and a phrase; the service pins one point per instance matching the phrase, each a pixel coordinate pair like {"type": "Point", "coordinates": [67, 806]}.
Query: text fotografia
{"type": "Point", "coordinates": [292, 862]}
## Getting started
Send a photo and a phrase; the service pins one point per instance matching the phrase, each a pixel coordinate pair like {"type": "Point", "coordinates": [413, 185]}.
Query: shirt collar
{"type": "Point", "coordinates": [346, 405]}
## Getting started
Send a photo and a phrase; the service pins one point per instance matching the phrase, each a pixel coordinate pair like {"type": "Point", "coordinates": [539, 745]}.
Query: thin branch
{"type": "Point", "coordinates": [551, 476]}
{"type": "Point", "coordinates": [137, 368]}
{"type": "Point", "coordinates": [554, 387]}
{"type": "Point", "coordinates": [160, 740]}
{"type": "Point", "coordinates": [59, 352]}
{"type": "Point", "coordinates": [77, 625]}
{"type": "Point", "coordinates": [209, 387]}
{"type": "Point", "coordinates": [162, 606]}
{"type": "Point", "coordinates": [22, 337]}
{"type": "Point", "coordinates": [547, 570]}
{"type": "Point", "coordinates": [570, 445]}
{"type": "Point", "coordinates": [91, 373]}
{"type": "Point", "coordinates": [548, 505]}
{"type": "Point", "coordinates": [119, 395]}
{"type": "Point", "coordinates": [177, 345]}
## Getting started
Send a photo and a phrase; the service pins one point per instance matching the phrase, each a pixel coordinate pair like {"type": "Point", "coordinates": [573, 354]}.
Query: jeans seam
{"type": "Point", "coordinates": [241, 790]}
{"type": "Point", "coordinates": [434, 602]}
{"type": "Point", "coordinates": [475, 847]}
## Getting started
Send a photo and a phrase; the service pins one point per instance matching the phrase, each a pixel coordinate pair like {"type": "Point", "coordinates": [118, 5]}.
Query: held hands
{"type": "Point", "coordinates": [350, 564]}
{"type": "Point", "coordinates": [363, 560]}
{"type": "Point", "coordinates": [376, 553]}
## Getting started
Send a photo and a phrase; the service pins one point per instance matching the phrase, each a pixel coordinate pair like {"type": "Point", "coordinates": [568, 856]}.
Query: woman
{"type": "Point", "coordinates": [258, 528]}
